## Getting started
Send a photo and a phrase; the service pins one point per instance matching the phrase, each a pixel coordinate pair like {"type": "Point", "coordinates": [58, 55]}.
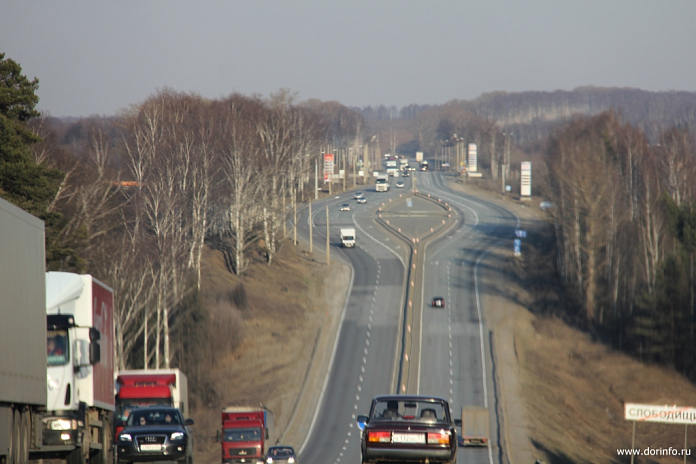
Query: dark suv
{"type": "Point", "coordinates": [156, 433]}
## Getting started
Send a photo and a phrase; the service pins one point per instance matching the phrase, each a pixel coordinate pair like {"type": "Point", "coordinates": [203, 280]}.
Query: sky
{"type": "Point", "coordinates": [100, 57]}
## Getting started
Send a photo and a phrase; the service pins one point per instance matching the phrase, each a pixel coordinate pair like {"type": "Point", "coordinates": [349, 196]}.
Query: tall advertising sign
{"type": "Point", "coordinates": [473, 159]}
{"type": "Point", "coordinates": [328, 167]}
{"type": "Point", "coordinates": [526, 179]}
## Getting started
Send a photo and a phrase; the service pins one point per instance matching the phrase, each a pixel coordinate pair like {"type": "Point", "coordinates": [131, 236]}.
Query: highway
{"type": "Point", "coordinates": [368, 346]}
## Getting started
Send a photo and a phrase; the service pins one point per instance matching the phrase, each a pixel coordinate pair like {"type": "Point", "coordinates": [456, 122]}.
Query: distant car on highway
{"type": "Point", "coordinates": [281, 454]}
{"type": "Point", "coordinates": [362, 200]}
{"type": "Point", "coordinates": [400, 184]}
{"type": "Point", "coordinates": [438, 302]}
{"type": "Point", "coordinates": [345, 207]}
{"type": "Point", "coordinates": [358, 195]}
{"type": "Point", "coordinates": [405, 174]}
{"type": "Point", "coordinates": [406, 429]}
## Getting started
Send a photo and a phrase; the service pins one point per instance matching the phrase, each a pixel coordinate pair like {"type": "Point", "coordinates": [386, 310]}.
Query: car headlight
{"type": "Point", "coordinates": [125, 437]}
{"type": "Point", "coordinates": [269, 461]}
{"type": "Point", "coordinates": [177, 436]}
{"type": "Point", "coordinates": [63, 424]}
{"type": "Point", "coordinates": [291, 460]}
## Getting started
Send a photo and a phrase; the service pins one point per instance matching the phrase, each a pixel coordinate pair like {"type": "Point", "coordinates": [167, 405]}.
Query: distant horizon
{"type": "Point", "coordinates": [300, 100]}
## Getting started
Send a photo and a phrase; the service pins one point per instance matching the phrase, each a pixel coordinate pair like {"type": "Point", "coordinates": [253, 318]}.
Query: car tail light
{"type": "Point", "coordinates": [441, 438]}
{"type": "Point", "coordinates": [379, 437]}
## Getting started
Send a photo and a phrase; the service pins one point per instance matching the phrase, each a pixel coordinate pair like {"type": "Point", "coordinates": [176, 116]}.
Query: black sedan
{"type": "Point", "coordinates": [281, 455]}
{"type": "Point", "coordinates": [404, 429]}
{"type": "Point", "coordinates": [156, 433]}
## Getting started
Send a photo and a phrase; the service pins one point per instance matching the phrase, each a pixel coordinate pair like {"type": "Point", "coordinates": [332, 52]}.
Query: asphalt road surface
{"type": "Point", "coordinates": [455, 361]}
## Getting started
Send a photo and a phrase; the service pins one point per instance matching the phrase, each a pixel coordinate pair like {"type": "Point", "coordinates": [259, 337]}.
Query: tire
{"type": "Point", "coordinates": [75, 457]}
{"type": "Point", "coordinates": [24, 437]}
{"type": "Point", "coordinates": [16, 437]}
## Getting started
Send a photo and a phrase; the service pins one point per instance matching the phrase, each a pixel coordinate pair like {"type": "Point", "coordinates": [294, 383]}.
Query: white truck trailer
{"type": "Point", "coordinates": [56, 340]}
{"type": "Point", "coordinates": [22, 332]}
{"type": "Point", "coordinates": [348, 237]}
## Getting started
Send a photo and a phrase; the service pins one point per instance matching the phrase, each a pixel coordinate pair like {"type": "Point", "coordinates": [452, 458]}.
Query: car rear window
{"type": "Point", "coordinates": [407, 410]}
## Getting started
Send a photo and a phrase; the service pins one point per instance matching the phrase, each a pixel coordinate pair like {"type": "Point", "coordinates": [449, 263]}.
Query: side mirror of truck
{"type": "Point", "coordinates": [458, 422]}
{"type": "Point", "coordinates": [94, 335]}
{"type": "Point", "coordinates": [218, 436]}
{"type": "Point", "coordinates": [94, 353]}
{"type": "Point", "coordinates": [189, 422]}
{"type": "Point", "coordinates": [266, 431]}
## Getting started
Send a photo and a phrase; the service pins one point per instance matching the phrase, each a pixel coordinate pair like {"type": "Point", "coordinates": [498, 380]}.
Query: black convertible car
{"type": "Point", "coordinates": [156, 433]}
{"type": "Point", "coordinates": [404, 429]}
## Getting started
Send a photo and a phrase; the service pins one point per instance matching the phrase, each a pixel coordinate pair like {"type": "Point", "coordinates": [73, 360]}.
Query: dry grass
{"type": "Point", "coordinates": [272, 324]}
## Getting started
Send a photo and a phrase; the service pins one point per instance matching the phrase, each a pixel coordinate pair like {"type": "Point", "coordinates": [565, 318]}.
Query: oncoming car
{"type": "Point", "coordinates": [400, 184]}
{"type": "Point", "coordinates": [345, 207]}
{"type": "Point", "coordinates": [358, 195]}
{"type": "Point", "coordinates": [156, 433]}
{"type": "Point", "coordinates": [362, 200]}
{"type": "Point", "coordinates": [405, 428]}
{"type": "Point", "coordinates": [438, 302]}
{"type": "Point", "coordinates": [281, 454]}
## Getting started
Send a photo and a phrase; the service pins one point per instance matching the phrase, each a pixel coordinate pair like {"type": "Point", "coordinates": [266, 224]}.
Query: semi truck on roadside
{"type": "Point", "coordinates": [145, 387]}
{"type": "Point", "coordinates": [475, 426]}
{"type": "Point", "coordinates": [56, 339]}
{"type": "Point", "coordinates": [348, 237]}
{"type": "Point", "coordinates": [245, 431]}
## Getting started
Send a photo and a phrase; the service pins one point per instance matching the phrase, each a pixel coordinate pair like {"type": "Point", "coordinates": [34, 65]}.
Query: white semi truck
{"type": "Point", "coordinates": [348, 237]}
{"type": "Point", "coordinates": [382, 183]}
{"type": "Point", "coordinates": [56, 340]}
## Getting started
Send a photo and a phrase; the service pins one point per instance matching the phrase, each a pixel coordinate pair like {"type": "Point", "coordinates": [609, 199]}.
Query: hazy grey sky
{"type": "Point", "coordinates": [96, 57]}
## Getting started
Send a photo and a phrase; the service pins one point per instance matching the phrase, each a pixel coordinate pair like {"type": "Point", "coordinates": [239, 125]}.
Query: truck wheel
{"type": "Point", "coordinates": [75, 457]}
{"type": "Point", "coordinates": [16, 438]}
{"type": "Point", "coordinates": [24, 437]}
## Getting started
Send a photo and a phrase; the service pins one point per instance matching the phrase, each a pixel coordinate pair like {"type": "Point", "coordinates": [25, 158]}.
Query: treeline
{"type": "Point", "coordinates": [132, 199]}
{"type": "Point", "coordinates": [144, 192]}
{"type": "Point", "coordinates": [625, 220]}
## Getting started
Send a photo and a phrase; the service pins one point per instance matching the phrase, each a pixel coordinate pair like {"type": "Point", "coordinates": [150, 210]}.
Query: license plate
{"type": "Point", "coordinates": [408, 438]}
{"type": "Point", "coordinates": [150, 447]}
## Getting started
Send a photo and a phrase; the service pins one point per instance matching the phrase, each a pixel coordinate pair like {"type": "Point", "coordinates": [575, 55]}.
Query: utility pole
{"type": "Point", "coordinates": [294, 198]}
{"type": "Point", "coordinates": [354, 159]}
{"type": "Point", "coordinates": [316, 180]}
{"type": "Point", "coordinates": [311, 243]}
{"type": "Point", "coordinates": [328, 258]}
{"type": "Point", "coordinates": [345, 171]}
{"type": "Point", "coordinates": [285, 221]}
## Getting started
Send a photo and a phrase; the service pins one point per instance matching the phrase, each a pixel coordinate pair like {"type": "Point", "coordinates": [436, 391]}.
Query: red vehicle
{"type": "Point", "coordinates": [244, 434]}
{"type": "Point", "coordinates": [145, 387]}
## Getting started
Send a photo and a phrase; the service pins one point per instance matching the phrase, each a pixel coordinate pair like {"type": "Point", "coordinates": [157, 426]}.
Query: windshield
{"type": "Point", "coordinates": [148, 416]}
{"type": "Point", "coordinates": [124, 408]}
{"type": "Point", "coordinates": [408, 410]}
{"type": "Point", "coordinates": [248, 434]}
{"type": "Point", "coordinates": [381, 181]}
{"type": "Point", "coordinates": [57, 347]}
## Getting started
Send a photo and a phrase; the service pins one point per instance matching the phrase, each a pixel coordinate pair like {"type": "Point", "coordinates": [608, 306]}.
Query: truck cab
{"type": "Point", "coordinates": [244, 434]}
{"type": "Point", "coordinates": [348, 237]}
{"type": "Point", "coordinates": [145, 387]}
